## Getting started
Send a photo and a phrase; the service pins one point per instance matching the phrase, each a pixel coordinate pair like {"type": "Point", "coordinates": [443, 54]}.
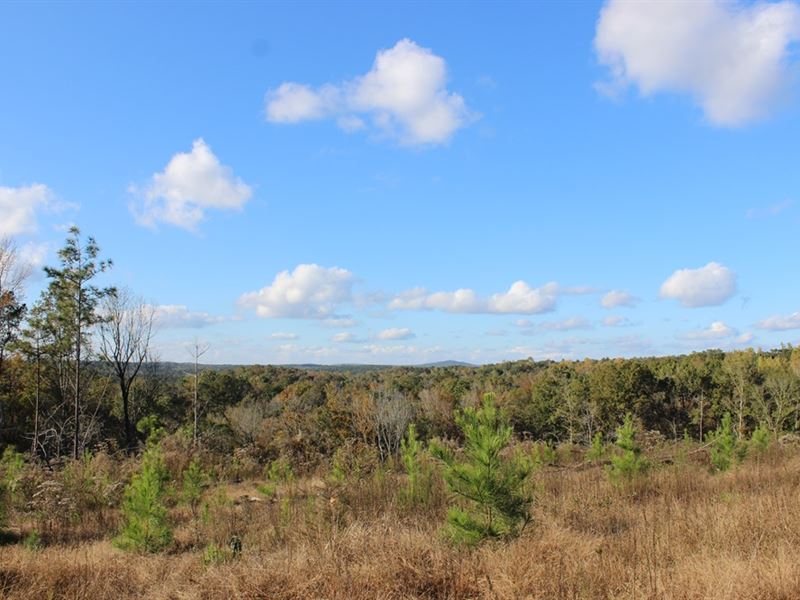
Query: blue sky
{"type": "Point", "coordinates": [316, 182]}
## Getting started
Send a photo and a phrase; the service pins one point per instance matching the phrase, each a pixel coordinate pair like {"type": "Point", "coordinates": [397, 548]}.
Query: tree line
{"type": "Point", "coordinates": [78, 371]}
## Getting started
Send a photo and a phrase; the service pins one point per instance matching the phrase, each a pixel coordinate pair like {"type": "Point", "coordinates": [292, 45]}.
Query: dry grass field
{"type": "Point", "coordinates": [678, 533]}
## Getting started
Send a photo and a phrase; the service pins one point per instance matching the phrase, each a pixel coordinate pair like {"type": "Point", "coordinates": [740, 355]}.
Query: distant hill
{"type": "Point", "coordinates": [181, 368]}
{"type": "Point", "coordinates": [446, 363]}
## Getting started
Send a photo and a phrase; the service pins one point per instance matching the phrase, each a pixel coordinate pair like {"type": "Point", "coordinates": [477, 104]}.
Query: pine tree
{"type": "Point", "coordinates": [70, 301]}
{"type": "Point", "coordinates": [724, 446]}
{"type": "Point", "coordinates": [495, 502]}
{"type": "Point", "coordinates": [146, 527]}
{"type": "Point", "coordinates": [629, 463]}
{"type": "Point", "coordinates": [410, 453]}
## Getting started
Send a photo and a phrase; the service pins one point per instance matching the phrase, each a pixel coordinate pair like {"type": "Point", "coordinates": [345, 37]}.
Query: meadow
{"type": "Point", "coordinates": [682, 529]}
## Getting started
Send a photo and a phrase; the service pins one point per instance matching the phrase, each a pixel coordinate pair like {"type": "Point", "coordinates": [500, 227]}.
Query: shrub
{"type": "Point", "coordinates": [214, 554]}
{"type": "Point", "coordinates": [12, 466]}
{"type": "Point", "coordinates": [280, 471]}
{"type": "Point", "coordinates": [545, 454]}
{"type": "Point", "coordinates": [724, 448]}
{"type": "Point", "coordinates": [146, 527]}
{"type": "Point", "coordinates": [492, 488]}
{"type": "Point", "coordinates": [32, 541]}
{"type": "Point", "coordinates": [629, 462]}
{"type": "Point", "coordinates": [419, 484]}
{"type": "Point", "coordinates": [596, 450]}
{"type": "Point", "coordinates": [194, 480]}
{"type": "Point", "coordinates": [759, 441]}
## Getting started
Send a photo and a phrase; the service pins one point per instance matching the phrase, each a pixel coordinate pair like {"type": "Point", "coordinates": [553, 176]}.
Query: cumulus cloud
{"type": "Point", "coordinates": [308, 292]}
{"type": "Point", "coordinates": [732, 57]}
{"type": "Point", "coordinates": [716, 331]}
{"type": "Point", "coordinates": [519, 299]}
{"type": "Point", "coordinates": [395, 333]}
{"type": "Point", "coordinates": [178, 316]}
{"type": "Point", "coordinates": [707, 286]}
{"type": "Point", "coordinates": [19, 206]}
{"type": "Point", "coordinates": [780, 322]}
{"type": "Point", "coordinates": [404, 96]}
{"type": "Point", "coordinates": [191, 183]}
{"type": "Point", "coordinates": [617, 298]}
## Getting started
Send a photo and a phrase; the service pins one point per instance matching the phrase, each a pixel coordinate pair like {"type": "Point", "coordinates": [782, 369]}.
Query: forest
{"type": "Point", "coordinates": [279, 481]}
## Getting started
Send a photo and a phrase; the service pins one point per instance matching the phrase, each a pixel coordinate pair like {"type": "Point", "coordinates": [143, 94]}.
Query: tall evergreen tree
{"type": "Point", "coordinates": [72, 299]}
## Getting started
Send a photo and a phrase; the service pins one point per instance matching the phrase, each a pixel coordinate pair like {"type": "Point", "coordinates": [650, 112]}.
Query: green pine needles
{"type": "Point", "coordinates": [494, 500]}
{"type": "Point", "coordinates": [628, 463]}
{"type": "Point", "coordinates": [724, 445]}
{"type": "Point", "coordinates": [146, 528]}
{"type": "Point", "coordinates": [418, 487]}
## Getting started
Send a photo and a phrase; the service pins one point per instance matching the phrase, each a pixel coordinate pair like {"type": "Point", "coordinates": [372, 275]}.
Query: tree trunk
{"type": "Point", "coordinates": [194, 402]}
{"type": "Point", "coordinates": [125, 391]}
{"type": "Point", "coordinates": [35, 444]}
{"type": "Point", "coordinates": [76, 410]}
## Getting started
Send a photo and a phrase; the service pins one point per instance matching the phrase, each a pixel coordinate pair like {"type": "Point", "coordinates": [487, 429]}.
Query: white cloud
{"type": "Point", "coordinates": [18, 208]}
{"type": "Point", "coordinates": [780, 322]}
{"type": "Point", "coordinates": [308, 292]}
{"type": "Point", "coordinates": [519, 299]}
{"type": "Point", "coordinates": [565, 325]}
{"type": "Point", "coordinates": [616, 298]}
{"type": "Point", "coordinates": [345, 337]}
{"type": "Point", "coordinates": [178, 316]}
{"type": "Point", "coordinates": [33, 254]}
{"type": "Point", "coordinates": [707, 286]}
{"type": "Point", "coordinates": [616, 321]}
{"type": "Point", "coordinates": [340, 322]}
{"type": "Point", "coordinates": [716, 331]}
{"type": "Point", "coordinates": [191, 183]}
{"type": "Point", "coordinates": [282, 335]}
{"type": "Point", "coordinates": [396, 333]}
{"type": "Point", "coordinates": [295, 102]}
{"type": "Point", "coordinates": [733, 58]}
{"type": "Point", "coordinates": [404, 96]}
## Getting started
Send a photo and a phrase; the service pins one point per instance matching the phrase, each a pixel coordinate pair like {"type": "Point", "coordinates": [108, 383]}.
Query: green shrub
{"type": "Point", "coordinates": [491, 487]}
{"type": "Point", "coordinates": [267, 489]}
{"type": "Point", "coordinates": [596, 450]}
{"type": "Point", "coordinates": [338, 472]}
{"type": "Point", "coordinates": [759, 441]}
{"type": "Point", "coordinates": [723, 444]}
{"type": "Point", "coordinates": [412, 452]}
{"type": "Point", "coordinates": [32, 541]}
{"type": "Point", "coordinates": [628, 463]}
{"type": "Point", "coordinates": [545, 454]}
{"type": "Point", "coordinates": [215, 554]}
{"type": "Point", "coordinates": [195, 480]}
{"type": "Point", "coordinates": [280, 471]}
{"type": "Point", "coordinates": [146, 527]}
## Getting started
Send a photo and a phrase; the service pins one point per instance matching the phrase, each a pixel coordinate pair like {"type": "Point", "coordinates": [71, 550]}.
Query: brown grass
{"type": "Point", "coordinates": [682, 533]}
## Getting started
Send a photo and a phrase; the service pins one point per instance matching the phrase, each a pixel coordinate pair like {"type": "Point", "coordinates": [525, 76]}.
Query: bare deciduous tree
{"type": "Point", "coordinates": [392, 414]}
{"type": "Point", "coordinates": [126, 331]}
{"type": "Point", "coordinates": [13, 274]}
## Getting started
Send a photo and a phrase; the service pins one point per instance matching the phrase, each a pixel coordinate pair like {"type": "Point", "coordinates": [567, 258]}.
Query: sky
{"type": "Point", "coordinates": [403, 183]}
